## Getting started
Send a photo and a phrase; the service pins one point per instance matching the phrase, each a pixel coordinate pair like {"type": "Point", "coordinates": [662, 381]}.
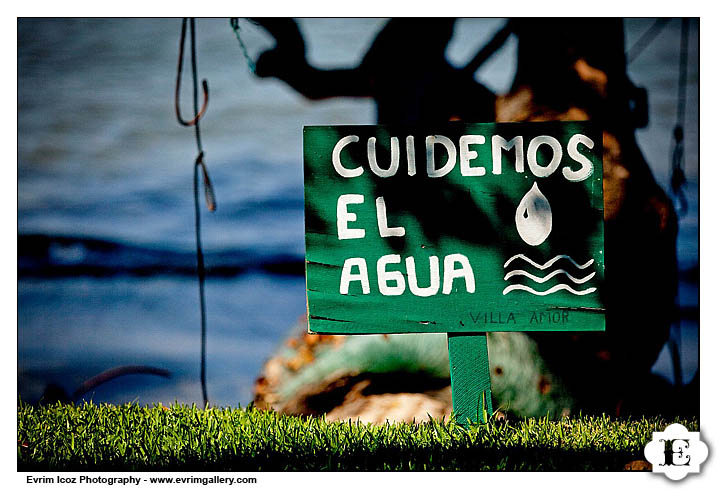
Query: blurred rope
{"type": "Point", "coordinates": [208, 189]}
{"type": "Point", "coordinates": [234, 22]}
{"type": "Point", "coordinates": [646, 39]}
{"type": "Point", "coordinates": [113, 373]}
{"type": "Point", "coordinates": [490, 48]}
{"type": "Point", "coordinates": [678, 179]}
{"type": "Point", "coordinates": [678, 176]}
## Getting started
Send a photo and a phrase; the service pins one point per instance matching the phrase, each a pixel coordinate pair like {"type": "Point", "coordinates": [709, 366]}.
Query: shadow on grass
{"type": "Point", "coordinates": [380, 459]}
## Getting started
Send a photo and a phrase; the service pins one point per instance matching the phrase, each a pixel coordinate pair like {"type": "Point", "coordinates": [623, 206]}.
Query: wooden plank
{"type": "Point", "coordinates": [425, 233]}
{"type": "Point", "coordinates": [470, 379]}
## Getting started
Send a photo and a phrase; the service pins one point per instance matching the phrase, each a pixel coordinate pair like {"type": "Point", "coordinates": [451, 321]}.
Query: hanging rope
{"type": "Point", "coordinates": [489, 48]}
{"type": "Point", "coordinates": [678, 176]}
{"type": "Point", "coordinates": [678, 179]}
{"type": "Point", "coordinates": [199, 165]}
{"type": "Point", "coordinates": [646, 39]}
{"type": "Point", "coordinates": [234, 22]}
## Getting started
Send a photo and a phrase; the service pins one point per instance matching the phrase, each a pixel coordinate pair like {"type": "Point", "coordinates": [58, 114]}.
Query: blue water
{"type": "Point", "coordinates": [105, 210]}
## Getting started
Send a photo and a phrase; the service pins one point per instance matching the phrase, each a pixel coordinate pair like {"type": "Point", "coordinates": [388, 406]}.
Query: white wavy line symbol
{"type": "Point", "coordinates": [541, 280]}
{"type": "Point", "coordinates": [549, 263]}
{"type": "Point", "coordinates": [557, 287]}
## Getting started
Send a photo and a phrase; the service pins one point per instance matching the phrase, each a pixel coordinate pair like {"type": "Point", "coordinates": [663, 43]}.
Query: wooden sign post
{"type": "Point", "coordinates": [459, 228]}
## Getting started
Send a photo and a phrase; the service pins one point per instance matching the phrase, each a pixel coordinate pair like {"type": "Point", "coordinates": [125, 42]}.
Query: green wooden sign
{"type": "Point", "coordinates": [459, 228]}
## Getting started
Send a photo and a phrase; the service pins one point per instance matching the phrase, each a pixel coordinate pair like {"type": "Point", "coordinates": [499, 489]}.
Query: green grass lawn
{"type": "Point", "coordinates": [180, 438]}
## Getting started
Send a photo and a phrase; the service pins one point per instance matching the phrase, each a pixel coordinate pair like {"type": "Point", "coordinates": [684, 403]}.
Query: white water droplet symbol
{"type": "Point", "coordinates": [533, 217]}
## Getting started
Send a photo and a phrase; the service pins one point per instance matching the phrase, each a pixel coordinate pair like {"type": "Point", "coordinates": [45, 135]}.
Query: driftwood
{"type": "Point", "coordinates": [567, 69]}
